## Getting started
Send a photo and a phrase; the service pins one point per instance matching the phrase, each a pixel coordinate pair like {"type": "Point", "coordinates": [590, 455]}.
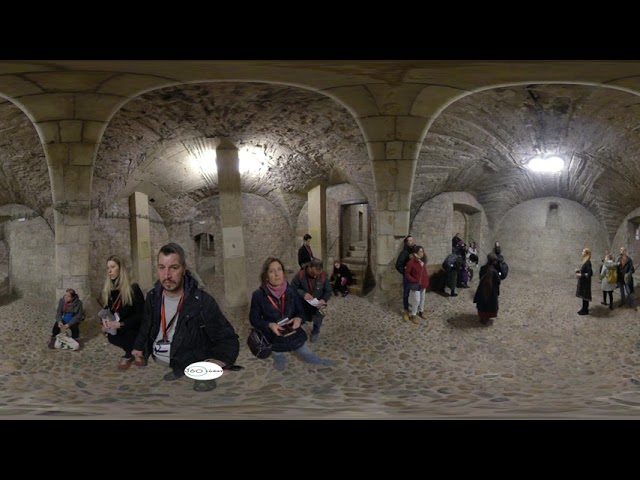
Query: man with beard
{"type": "Point", "coordinates": [182, 323]}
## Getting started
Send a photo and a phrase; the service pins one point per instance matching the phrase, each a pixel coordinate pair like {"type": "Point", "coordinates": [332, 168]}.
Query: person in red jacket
{"type": "Point", "coordinates": [418, 279]}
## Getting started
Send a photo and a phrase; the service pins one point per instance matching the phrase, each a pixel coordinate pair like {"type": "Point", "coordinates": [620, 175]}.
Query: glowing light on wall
{"type": "Point", "coordinates": [252, 160]}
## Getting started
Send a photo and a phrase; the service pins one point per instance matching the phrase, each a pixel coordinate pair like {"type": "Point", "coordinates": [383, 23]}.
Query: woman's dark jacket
{"type": "Point", "coordinates": [487, 301]}
{"type": "Point", "coordinates": [263, 312]}
{"type": "Point", "coordinates": [130, 315]}
{"type": "Point", "coordinates": [584, 281]}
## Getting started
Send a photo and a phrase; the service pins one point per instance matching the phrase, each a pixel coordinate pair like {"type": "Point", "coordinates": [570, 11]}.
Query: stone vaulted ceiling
{"type": "Point", "coordinates": [306, 138]}
{"type": "Point", "coordinates": [481, 143]}
{"type": "Point", "coordinates": [24, 177]}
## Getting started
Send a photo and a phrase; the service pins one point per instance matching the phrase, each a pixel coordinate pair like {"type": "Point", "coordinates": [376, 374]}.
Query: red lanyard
{"type": "Point", "coordinates": [281, 310]}
{"type": "Point", "coordinates": [310, 287]}
{"type": "Point", "coordinates": [116, 307]}
{"type": "Point", "coordinates": [163, 319]}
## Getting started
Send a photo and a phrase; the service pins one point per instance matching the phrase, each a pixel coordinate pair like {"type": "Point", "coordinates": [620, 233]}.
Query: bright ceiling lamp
{"type": "Point", "coordinates": [551, 164]}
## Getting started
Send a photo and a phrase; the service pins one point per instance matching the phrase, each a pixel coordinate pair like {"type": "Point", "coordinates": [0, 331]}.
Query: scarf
{"type": "Point", "coordinates": [277, 291]}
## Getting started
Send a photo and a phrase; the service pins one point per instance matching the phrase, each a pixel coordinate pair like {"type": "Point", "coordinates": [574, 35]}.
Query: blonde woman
{"type": "Point", "coordinates": [584, 274]}
{"type": "Point", "coordinates": [123, 309]}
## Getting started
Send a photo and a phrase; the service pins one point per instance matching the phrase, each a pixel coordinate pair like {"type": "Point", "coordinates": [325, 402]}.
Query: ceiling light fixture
{"type": "Point", "coordinates": [550, 164]}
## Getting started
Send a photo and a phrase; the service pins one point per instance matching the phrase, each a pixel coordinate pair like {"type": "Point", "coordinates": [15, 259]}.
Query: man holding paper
{"type": "Point", "coordinates": [312, 285]}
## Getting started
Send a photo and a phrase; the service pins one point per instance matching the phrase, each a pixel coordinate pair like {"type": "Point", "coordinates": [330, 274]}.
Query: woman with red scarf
{"type": "Point", "coordinates": [68, 316]}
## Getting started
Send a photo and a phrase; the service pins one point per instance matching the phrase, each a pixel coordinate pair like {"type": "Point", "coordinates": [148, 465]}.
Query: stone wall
{"type": "Point", "coordinates": [547, 235]}
{"type": "Point", "coordinates": [30, 240]}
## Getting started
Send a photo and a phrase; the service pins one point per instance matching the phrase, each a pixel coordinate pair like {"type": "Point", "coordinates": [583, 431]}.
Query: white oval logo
{"type": "Point", "coordinates": [203, 371]}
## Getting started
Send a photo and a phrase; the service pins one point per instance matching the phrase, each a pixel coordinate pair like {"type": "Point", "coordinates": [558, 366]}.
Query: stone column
{"type": "Point", "coordinates": [317, 216]}
{"type": "Point", "coordinates": [394, 120]}
{"type": "Point", "coordinates": [234, 261]}
{"type": "Point", "coordinates": [140, 234]}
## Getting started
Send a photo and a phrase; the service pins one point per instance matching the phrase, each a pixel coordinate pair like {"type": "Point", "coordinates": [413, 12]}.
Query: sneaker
{"type": "Point", "coordinates": [139, 362]}
{"type": "Point", "coordinates": [204, 385]}
{"type": "Point", "coordinates": [125, 363]}
{"type": "Point", "coordinates": [454, 295]}
{"type": "Point", "coordinates": [171, 376]}
{"type": "Point", "coordinates": [405, 316]}
{"type": "Point", "coordinates": [279, 362]}
{"type": "Point", "coordinates": [345, 294]}
{"type": "Point", "coordinates": [52, 343]}
{"type": "Point", "coordinates": [414, 319]}
{"type": "Point", "coordinates": [423, 315]}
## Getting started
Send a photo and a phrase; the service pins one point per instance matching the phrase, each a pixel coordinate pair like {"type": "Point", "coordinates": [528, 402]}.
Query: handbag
{"type": "Point", "coordinates": [414, 286]}
{"type": "Point", "coordinates": [65, 342]}
{"type": "Point", "coordinates": [258, 344]}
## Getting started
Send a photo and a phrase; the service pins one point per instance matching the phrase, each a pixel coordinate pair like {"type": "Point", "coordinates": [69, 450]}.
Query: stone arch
{"type": "Point", "coordinates": [434, 224]}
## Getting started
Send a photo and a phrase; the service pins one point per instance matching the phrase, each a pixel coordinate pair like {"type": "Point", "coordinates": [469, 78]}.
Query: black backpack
{"type": "Point", "coordinates": [449, 262]}
{"type": "Point", "coordinates": [504, 269]}
{"type": "Point", "coordinates": [258, 344]}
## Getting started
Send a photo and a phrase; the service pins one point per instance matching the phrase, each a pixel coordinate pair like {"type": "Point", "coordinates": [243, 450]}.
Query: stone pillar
{"type": "Point", "coordinates": [394, 120]}
{"type": "Point", "coordinates": [317, 217]}
{"type": "Point", "coordinates": [234, 261]}
{"type": "Point", "coordinates": [140, 233]}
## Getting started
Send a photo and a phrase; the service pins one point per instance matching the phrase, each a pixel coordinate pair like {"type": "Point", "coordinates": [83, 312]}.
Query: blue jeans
{"type": "Point", "coordinates": [304, 352]}
{"type": "Point", "coordinates": [405, 293]}
{"type": "Point", "coordinates": [624, 288]}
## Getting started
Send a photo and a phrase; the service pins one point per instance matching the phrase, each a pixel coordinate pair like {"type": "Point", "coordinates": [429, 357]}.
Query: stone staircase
{"type": "Point", "coordinates": [356, 260]}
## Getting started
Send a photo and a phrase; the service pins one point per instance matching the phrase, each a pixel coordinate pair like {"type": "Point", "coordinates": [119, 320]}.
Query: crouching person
{"type": "Point", "coordinates": [183, 324]}
{"type": "Point", "coordinates": [68, 316]}
{"type": "Point", "coordinates": [276, 310]}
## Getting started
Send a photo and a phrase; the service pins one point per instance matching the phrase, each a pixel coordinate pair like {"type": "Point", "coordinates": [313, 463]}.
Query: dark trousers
{"type": "Point", "coordinates": [337, 286]}
{"type": "Point", "coordinates": [405, 293]}
{"type": "Point", "coordinates": [124, 341]}
{"type": "Point", "coordinates": [75, 330]}
{"type": "Point", "coordinates": [585, 305]}
{"type": "Point", "coordinates": [604, 297]}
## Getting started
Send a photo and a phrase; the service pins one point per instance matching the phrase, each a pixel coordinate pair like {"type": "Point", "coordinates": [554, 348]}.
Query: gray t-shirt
{"type": "Point", "coordinates": [162, 351]}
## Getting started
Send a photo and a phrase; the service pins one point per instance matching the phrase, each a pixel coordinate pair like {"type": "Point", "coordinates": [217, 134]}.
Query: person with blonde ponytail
{"type": "Point", "coordinates": [584, 274]}
{"type": "Point", "coordinates": [123, 309]}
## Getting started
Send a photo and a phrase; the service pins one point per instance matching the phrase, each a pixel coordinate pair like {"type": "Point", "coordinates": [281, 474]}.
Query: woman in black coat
{"type": "Point", "coordinates": [274, 301]}
{"type": "Point", "coordinates": [488, 291]}
{"type": "Point", "coordinates": [584, 274]}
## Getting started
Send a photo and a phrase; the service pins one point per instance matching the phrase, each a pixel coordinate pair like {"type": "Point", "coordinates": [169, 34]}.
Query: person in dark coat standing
{"type": "Point", "coordinates": [625, 278]}
{"type": "Point", "coordinates": [305, 255]}
{"type": "Point", "coordinates": [401, 263]}
{"type": "Point", "coordinates": [488, 291]}
{"type": "Point", "coordinates": [584, 274]}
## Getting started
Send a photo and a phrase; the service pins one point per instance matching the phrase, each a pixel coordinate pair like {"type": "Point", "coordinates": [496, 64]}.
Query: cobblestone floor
{"type": "Point", "coordinates": [538, 359]}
